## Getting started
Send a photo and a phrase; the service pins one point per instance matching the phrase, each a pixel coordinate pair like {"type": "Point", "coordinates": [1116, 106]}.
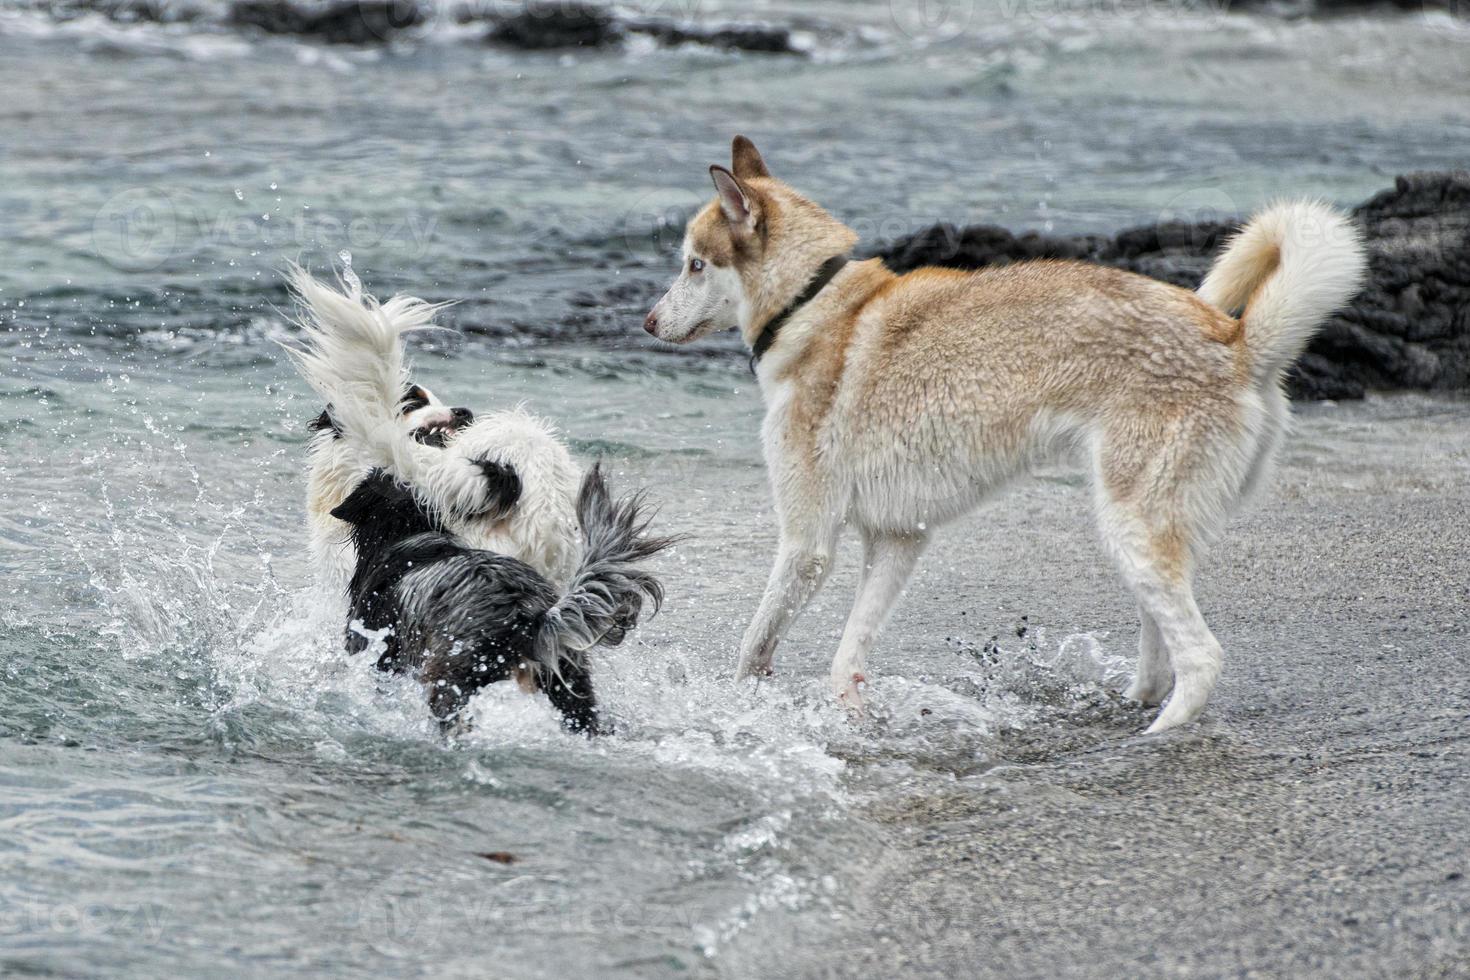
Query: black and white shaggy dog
{"type": "Point", "coordinates": [502, 480]}
{"type": "Point", "coordinates": [462, 618]}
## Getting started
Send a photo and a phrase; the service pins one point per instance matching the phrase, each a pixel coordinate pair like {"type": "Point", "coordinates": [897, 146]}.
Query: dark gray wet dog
{"type": "Point", "coordinates": [462, 618]}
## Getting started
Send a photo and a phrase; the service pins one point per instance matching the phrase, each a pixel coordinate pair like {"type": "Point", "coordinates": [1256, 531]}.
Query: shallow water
{"type": "Point", "coordinates": [195, 779]}
{"type": "Point", "coordinates": [192, 765]}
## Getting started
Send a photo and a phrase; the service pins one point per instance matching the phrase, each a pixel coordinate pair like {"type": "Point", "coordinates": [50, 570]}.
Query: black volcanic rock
{"type": "Point", "coordinates": [334, 21]}
{"type": "Point", "coordinates": [976, 246]}
{"type": "Point", "coordinates": [551, 26]}
{"type": "Point", "coordinates": [735, 37]}
{"type": "Point", "coordinates": [558, 25]}
{"type": "Point", "coordinates": [540, 25]}
{"type": "Point", "coordinates": [1408, 329]}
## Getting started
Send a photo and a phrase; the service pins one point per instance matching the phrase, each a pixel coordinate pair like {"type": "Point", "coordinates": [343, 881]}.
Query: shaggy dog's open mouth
{"type": "Point", "coordinates": [436, 432]}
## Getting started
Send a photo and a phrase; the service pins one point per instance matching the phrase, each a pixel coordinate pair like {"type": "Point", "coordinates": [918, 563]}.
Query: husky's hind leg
{"type": "Point", "coordinates": [1154, 563]}
{"type": "Point", "coordinates": [1154, 678]}
{"type": "Point", "coordinates": [889, 560]}
{"type": "Point", "coordinates": [1164, 485]}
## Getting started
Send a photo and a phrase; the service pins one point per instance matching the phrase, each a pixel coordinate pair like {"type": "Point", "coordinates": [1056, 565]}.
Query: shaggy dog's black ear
{"type": "Point", "coordinates": [323, 422]}
{"type": "Point", "coordinates": [385, 510]}
{"type": "Point", "coordinates": [369, 495]}
{"type": "Point", "coordinates": [502, 487]}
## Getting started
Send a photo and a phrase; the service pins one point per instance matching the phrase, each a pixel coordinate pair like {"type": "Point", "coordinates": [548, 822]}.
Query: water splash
{"type": "Point", "coordinates": [348, 277]}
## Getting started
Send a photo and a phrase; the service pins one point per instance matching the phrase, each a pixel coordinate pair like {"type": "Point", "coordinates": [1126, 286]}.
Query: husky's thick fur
{"type": "Point", "coordinates": [461, 618]}
{"type": "Point", "coordinates": [898, 403]}
{"type": "Point", "coordinates": [502, 481]}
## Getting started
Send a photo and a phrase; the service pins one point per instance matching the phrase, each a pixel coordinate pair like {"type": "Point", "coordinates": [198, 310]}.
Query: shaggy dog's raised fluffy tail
{"type": "Point", "coordinates": [352, 353]}
{"type": "Point", "coordinates": [353, 349]}
{"type": "Point", "coordinates": [608, 590]}
{"type": "Point", "coordinates": [1283, 273]}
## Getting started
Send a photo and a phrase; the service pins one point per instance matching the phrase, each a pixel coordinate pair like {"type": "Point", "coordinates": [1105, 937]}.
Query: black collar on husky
{"type": "Point", "coordinates": [767, 336]}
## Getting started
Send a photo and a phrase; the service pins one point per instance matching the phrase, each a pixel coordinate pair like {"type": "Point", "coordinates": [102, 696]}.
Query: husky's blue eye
{"type": "Point", "coordinates": [696, 265]}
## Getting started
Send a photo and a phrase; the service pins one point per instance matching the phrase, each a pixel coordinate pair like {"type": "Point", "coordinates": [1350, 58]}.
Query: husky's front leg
{"type": "Point", "coordinates": [802, 563]}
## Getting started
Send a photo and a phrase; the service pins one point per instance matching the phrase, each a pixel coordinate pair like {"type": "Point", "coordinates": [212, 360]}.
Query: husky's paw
{"type": "Point", "coordinates": [850, 694]}
{"type": "Point", "coordinates": [502, 487]}
{"type": "Point", "coordinates": [1149, 689]}
{"type": "Point", "coordinates": [759, 662]}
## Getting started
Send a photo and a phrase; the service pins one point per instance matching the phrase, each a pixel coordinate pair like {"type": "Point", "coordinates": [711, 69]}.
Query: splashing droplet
{"type": "Point", "coordinates": [349, 278]}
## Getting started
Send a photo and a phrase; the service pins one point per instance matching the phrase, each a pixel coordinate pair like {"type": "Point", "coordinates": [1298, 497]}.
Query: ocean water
{"type": "Point", "coordinates": [194, 779]}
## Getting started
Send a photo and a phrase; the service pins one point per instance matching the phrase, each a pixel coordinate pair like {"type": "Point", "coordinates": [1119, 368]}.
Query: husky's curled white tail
{"type": "Point", "coordinates": [1282, 274]}
{"type": "Point", "coordinates": [1286, 270]}
{"type": "Point", "coordinates": [898, 403]}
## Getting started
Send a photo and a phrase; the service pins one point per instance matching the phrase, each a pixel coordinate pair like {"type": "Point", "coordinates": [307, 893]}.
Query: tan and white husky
{"type": "Point", "coordinates": [898, 403]}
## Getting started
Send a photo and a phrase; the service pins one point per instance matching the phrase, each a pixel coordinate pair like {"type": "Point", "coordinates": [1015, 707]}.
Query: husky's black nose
{"type": "Point", "coordinates": [461, 416]}
{"type": "Point", "coordinates": [650, 323]}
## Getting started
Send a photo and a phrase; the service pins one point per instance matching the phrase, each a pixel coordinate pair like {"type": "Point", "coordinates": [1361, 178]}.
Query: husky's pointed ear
{"type": "Point", "coordinates": [745, 159]}
{"type": "Point", "coordinates": [738, 206]}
